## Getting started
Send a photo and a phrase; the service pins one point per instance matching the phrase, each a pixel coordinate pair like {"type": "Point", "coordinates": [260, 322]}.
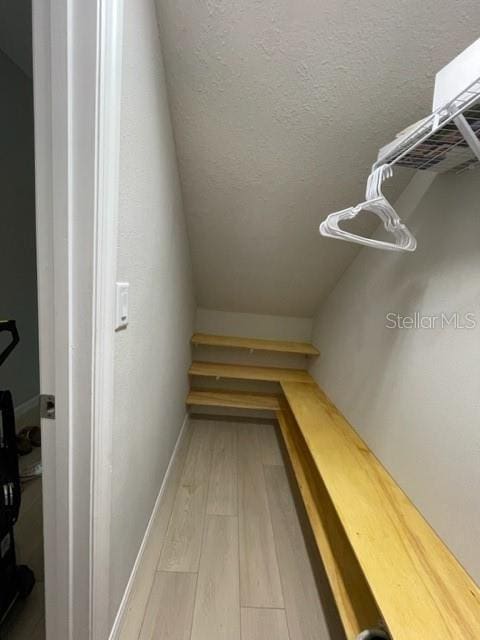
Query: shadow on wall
{"type": "Point", "coordinates": [17, 230]}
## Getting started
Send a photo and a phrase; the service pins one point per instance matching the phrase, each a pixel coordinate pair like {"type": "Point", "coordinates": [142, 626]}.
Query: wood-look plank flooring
{"type": "Point", "coordinates": [181, 551]}
{"type": "Point", "coordinates": [222, 489]}
{"type": "Point", "coordinates": [260, 624]}
{"type": "Point", "coordinates": [259, 574]}
{"type": "Point", "coordinates": [173, 592]}
{"type": "Point", "coordinates": [215, 564]}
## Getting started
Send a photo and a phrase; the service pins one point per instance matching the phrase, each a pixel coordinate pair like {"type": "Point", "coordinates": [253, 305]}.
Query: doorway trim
{"type": "Point", "coordinates": [105, 273]}
{"type": "Point", "coordinates": [77, 90]}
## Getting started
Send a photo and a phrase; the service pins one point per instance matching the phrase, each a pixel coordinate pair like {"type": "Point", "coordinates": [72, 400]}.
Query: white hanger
{"type": "Point", "coordinates": [375, 203]}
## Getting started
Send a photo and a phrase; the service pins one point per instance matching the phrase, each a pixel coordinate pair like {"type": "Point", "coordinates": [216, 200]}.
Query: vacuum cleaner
{"type": "Point", "coordinates": [16, 581]}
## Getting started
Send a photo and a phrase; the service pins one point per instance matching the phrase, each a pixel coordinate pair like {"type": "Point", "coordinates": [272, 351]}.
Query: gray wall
{"type": "Point", "coordinates": [16, 32]}
{"type": "Point", "coordinates": [414, 394]}
{"type": "Point", "coordinates": [18, 290]}
{"type": "Point", "coordinates": [153, 353]}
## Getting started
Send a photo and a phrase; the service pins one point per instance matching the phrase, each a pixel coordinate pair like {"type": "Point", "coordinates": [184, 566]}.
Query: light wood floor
{"type": "Point", "coordinates": [227, 559]}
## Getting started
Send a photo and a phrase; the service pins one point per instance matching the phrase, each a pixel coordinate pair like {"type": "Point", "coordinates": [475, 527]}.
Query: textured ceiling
{"type": "Point", "coordinates": [279, 107]}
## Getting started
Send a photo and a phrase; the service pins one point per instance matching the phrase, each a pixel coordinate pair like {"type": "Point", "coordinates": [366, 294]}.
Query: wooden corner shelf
{"type": "Point", "coordinates": [234, 399]}
{"type": "Point", "coordinates": [255, 344]}
{"type": "Point", "coordinates": [246, 372]}
{"type": "Point", "coordinates": [384, 562]}
{"type": "Point", "coordinates": [356, 606]}
{"type": "Point", "coordinates": [420, 589]}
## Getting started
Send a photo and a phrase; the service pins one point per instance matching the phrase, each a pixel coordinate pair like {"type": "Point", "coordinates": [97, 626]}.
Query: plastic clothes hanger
{"type": "Point", "coordinates": [375, 203]}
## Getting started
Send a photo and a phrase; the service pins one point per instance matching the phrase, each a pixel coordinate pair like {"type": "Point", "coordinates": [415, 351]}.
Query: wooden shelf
{"type": "Point", "coordinates": [355, 603]}
{"type": "Point", "coordinates": [419, 587]}
{"type": "Point", "coordinates": [244, 372]}
{"type": "Point", "coordinates": [255, 344]}
{"type": "Point", "coordinates": [234, 399]}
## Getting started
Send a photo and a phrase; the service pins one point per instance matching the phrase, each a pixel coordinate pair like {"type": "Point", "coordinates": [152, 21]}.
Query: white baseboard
{"type": "Point", "coordinates": [117, 625]}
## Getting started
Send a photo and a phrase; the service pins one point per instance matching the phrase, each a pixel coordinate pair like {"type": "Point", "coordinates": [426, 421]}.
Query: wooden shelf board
{"type": "Point", "coordinates": [355, 603]}
{"type": "Point", "coordinates": [420, 588]}
{"type": "Point", "coordinates": [233, 399]}
{"type": "Point", "coordinates": [246, 372]}
{"type": "Point", "coordinates": [255, 344]}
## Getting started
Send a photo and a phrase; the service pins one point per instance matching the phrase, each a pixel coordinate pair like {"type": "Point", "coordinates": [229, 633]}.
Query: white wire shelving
{"type": "Point", "coordinates": [447, 140]}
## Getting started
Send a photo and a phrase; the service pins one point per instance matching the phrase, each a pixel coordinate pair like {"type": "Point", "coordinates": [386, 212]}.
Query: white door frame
{"type": "Point", "coordinates": [77, 83]}
{"type": "Point", "coordinates": [106, 233]}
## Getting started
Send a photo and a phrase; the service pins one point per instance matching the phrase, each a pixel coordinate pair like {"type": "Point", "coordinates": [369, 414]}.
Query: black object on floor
{"type": "Point", "coordinates": [15, 581]}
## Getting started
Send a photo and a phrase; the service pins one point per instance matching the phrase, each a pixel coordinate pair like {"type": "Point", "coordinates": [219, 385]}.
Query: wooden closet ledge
{"type": "Point", "coordinates": [420, 588]}
{"type": "Point", "coordinates": [255, 344]}
{"type": "Point", "coordinates": [246, 372]}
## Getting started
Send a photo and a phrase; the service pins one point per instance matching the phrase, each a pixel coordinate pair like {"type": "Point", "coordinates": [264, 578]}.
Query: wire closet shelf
{"type": "Point", "coordinates": [446, 140]}
{"type": "Point", "coordinates": [437, 143]}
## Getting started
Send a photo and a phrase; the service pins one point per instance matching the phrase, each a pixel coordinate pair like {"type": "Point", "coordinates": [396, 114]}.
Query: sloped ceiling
{"type": "Point", "coordinates": [279, 107]}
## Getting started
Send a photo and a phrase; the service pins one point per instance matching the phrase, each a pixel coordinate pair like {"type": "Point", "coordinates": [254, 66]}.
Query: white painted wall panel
{"type": "Point", "coordinates": [414, 394]}
{"type": "Point", "coordinates": [153, 353]}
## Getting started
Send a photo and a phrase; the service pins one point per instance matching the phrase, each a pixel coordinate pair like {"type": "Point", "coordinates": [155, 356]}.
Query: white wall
{"type": "Point", "coordinates": [414, 395]}
{"type": "Point", "coordinates": [18, 272]}
{"type": "Point", "coordinates": [153, 353]}
{"type": "Point", "coordinates": [253, 325]}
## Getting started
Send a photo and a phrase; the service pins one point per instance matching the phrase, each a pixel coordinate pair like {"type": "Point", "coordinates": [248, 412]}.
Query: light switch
{"type": "Point", "coordinates": [121, 319]}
